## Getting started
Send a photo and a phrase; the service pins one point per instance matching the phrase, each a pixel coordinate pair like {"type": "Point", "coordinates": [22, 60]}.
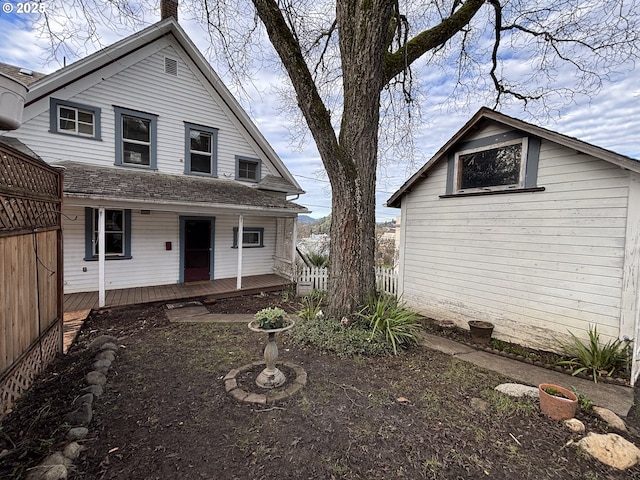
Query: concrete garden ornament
{"type": "Point", "coordinates": [271, 321]}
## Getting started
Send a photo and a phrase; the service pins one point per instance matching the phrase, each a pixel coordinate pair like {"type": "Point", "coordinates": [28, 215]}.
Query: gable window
{"type": "Point", "coordinates": [494, 167]}
{"type": "Point", "coordinates": [74, 119]}
{"type": "Point", "coordinates": [136, 135]}
{"type": "Point", "coordinates": [247, 169]}
{"type": "Point", "coordinates": [201, 144]}
{"type": "Point", "coordinates": [251, 237]}
{"type": "Point", "coordinates": [117, 233]}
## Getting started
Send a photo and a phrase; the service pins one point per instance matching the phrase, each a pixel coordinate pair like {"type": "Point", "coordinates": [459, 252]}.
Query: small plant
{"type": "Point", "coordinates": [318, 259]}
{"type": "Point", "coordinates": [554, 392]}
{"type": "Point", "coordinates": [595, 358]}
{"type": "Point", "coordinates": [386, 316]}
{"type": "Point", "coordinates": [311, 305]}
{"type": "Point", "coordinates": [270, 318]}
{"type": "Point", "coordinates": [584, 402]}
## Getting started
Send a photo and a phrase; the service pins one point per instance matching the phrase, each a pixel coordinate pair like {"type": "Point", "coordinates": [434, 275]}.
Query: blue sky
{"type": "Point", "coordinates": [610, 119]}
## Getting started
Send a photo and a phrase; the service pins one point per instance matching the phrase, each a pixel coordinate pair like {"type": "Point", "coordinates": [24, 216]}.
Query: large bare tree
{"type": "Point", "coordinates": [351, 61]}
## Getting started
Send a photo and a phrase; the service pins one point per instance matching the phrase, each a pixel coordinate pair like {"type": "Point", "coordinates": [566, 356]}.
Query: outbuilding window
{"type": "Point", "coordinates": [500, 166]}
{"type": "Point", "coordinates": [117, 233]}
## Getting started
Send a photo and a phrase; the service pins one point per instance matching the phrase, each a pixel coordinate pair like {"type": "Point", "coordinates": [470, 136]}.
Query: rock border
{"type": "Point", "coordinates": [56, 466]}
{"type": "Point", "coordinates": [272, 396]}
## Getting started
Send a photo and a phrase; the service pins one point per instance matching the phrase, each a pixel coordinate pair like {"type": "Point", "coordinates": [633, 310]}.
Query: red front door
{"type": "Point", "coordinates": [197, 250]}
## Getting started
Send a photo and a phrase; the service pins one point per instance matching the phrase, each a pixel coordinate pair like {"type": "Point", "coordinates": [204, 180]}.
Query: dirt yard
{"type": "Point", "coordinates": [165, 413]}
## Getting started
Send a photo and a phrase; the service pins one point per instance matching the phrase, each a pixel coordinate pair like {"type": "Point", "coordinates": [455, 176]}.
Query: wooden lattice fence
{"type": "Point", "coordinates": [30, 269]}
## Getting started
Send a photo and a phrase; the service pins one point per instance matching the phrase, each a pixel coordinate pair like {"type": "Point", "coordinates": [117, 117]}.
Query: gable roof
{"type": "Point", "coordinates": [46, 85]}
{"type": "Point", "coordinates": [146, 188]}
{"type": "Point", "coordinates": [486, 114]}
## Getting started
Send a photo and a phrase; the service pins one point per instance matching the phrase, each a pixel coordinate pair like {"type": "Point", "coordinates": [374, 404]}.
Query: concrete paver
{"type": "Point", "coordinates": [616, 398]}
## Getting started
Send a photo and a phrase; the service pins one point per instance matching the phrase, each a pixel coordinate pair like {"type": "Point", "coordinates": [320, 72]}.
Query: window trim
{"type": "Point", "coordinates": [528, 176]}
{"type": "Point", "coordinates": [153, 137]}
{"type": "Point", "coordinates": [188, 127]}
{"type": "Point", "coordinates": [89, 256]}
{"type": "Point", "coordinates": [256, 161]}
{"type": "Point", "coordinates": [54, 118]}
{"type": "Point", "coordinates": [259, 230]}
{"type": "Point", "coordinates": [523, 141]}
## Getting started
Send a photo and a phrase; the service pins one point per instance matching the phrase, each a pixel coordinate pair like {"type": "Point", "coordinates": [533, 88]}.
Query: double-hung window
{"type": "Point", "coordinates": [251, 237]}
{"type": "Point", "coordinates": [117, 233]}
{"type": "Point", "coordinates": [247, 169]}
{"type": "Point", "coordinates": [200, 149]}
{"type": "Point", "coordinates": [136, 134]}
{"type": "Point", "coordinates": [74, 119]}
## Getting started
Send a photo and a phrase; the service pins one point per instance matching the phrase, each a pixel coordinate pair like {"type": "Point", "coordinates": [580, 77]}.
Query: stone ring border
{"type": "Point", "coordinates": [231, 385]}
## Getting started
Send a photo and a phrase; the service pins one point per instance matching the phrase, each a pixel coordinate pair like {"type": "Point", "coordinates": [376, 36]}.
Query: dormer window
{"type": "Point", "coordinates": [72, 118]}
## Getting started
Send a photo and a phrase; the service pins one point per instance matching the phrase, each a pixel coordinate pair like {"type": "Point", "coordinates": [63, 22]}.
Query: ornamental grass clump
{"type": "Point", "coordinates": [595, 358]}
{"type": "Point", "coordinates": [270, 318]}
{"type": "Point", "coordinates": [311, 305]}
{"type": "Point", "coordinates": [388, 318]}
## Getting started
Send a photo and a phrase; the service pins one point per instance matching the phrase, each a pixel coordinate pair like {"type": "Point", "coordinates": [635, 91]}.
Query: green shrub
{"type": "Point", "coordinates": [311, 305]}
{"type": "Point", "coordinates": [594, 358]}
{"type": "Point", "coordinates": [318, 259]}
{"type": "Point", "coordinates": [271, 317]}
{"type": "Point", "coordinates": [388, 317]}
{"type": "Point", "coordinates": [329, 335]}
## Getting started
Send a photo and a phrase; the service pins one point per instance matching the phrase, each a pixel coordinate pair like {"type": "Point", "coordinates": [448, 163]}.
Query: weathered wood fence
{"type": "Point", "coordinates": [317, 278]}
{"type": "Point", "coordinates": [31, 311]}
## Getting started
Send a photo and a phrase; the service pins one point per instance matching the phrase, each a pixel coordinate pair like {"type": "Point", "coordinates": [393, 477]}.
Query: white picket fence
{"type": "Point", "coordinates": [317, 278]}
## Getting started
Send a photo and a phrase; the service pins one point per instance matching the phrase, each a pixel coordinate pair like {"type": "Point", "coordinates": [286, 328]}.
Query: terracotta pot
{"type": "Point", "coordinates": [558, 408]}
{"type": "Point", "coordinates": [480, 331]}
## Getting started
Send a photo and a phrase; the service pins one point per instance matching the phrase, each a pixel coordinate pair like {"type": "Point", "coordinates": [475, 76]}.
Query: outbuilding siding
{"type": "Point", "coordinates": [534, 263]}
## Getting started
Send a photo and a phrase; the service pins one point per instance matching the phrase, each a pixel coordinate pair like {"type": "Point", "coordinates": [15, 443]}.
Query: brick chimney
{"type": "Point", "coordinates": [168, 8]}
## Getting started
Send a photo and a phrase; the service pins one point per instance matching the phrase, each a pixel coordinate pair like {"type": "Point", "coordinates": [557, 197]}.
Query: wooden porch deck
{"type": "Point", "coordinates": [226, 287]}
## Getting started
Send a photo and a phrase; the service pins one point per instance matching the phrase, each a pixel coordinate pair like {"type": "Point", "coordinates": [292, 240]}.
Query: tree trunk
{"type": "Point", "coordinates": [363, 28]}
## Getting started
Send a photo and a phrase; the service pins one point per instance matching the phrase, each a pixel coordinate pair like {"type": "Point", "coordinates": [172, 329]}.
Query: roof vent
{"type": "Point", "coordinates": [26, 71]}
{"type": "Point", "coordinates": [171, 66]}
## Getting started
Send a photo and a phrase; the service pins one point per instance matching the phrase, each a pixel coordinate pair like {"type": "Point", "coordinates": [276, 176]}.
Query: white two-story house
{"type": "Point", "coordinates": [166, 179]}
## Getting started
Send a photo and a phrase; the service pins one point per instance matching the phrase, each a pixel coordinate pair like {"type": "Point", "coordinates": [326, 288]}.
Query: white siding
{"type": "Point", "coordinates": [255, 261]}
{"type": "Point", "coordinates": [138, 82]}
{"type": "Point", "coordinates": [535, 264]}
{"type": "Point", "coordinates": [151, 263]}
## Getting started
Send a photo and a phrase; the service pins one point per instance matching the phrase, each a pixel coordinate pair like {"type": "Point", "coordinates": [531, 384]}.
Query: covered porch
{"type": "Point", "coordinates": [226, 287]}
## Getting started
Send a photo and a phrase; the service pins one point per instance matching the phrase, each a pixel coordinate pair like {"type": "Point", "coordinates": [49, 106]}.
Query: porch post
{"type": "Point", "coordinates": [239, 241]}
{"type": "Point", "coordinates": [101, 250]}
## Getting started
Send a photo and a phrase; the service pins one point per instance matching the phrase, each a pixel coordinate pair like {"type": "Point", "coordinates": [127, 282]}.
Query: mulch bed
{"type": "Point", "coordinates": [165, 413]}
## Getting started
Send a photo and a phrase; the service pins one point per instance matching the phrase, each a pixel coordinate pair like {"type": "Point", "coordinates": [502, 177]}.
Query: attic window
{"type": "Point", "coordinates": [171, 66]}
{"type": "Point", "coordinates": [499, 166]}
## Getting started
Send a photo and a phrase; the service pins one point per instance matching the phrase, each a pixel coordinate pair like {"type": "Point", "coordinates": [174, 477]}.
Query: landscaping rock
{"type": "Point", "coordinates": [96, 378]}
{"type": "Point", "coordinates": [101, 364]}
{"type": "Point", "coordinates": [86, 398]}
{"type": "Point", "coordinates": [106, 355]}
{"type": "Point", "coordinates": [611, 418]}
{"type": "Point", "coordinates": [101, 340]}
{"type": "Point", "coordinates": [518, 390]}
{"type": "Point", "coordinates": [80, 417]}
{"type": "Point", "coordinates": [611, 449]}
{"type": "Point", "coordinates": [72, 451]}
{"type": "Point", "coordinates": [77, 433]}
{"type": "Point", "coordinates": [48, 472]}
{"type": "Point", "coordinates": [574, 425]}
{"type": "Point", "coordinates": [95, 390]}
{"type": "Point", "coordinates": [109, 346]}
{"type": "Point", "coordinates": [56, 458]}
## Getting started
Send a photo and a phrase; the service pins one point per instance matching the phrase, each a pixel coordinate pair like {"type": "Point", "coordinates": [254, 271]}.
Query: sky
{"type": "Point", "coordinates": [610, 119]}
